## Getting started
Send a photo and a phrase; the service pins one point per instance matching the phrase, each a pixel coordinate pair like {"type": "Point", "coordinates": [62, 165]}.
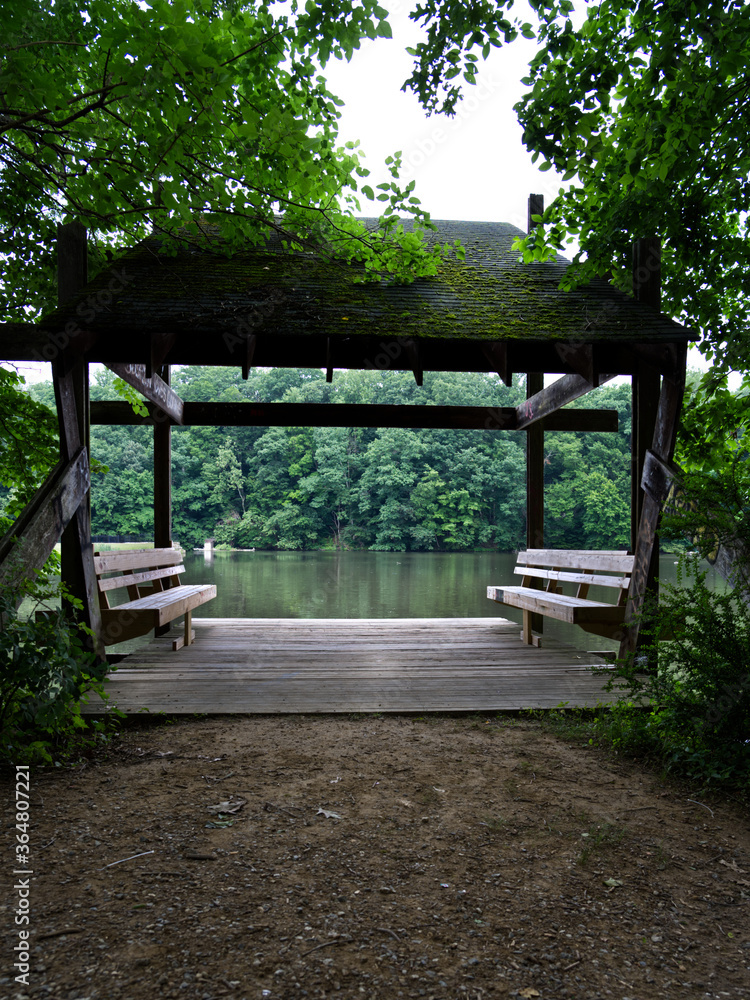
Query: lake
{"type": "Point", "coordinates": [369, 585]}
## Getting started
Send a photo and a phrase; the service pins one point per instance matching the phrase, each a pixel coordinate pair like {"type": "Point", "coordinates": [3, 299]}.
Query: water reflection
{"type": "Point", "coordinates": [369, 585]}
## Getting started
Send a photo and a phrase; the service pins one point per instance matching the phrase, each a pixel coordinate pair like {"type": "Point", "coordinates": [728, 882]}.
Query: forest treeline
{"type": "Point", "coordinates": [388, 489]}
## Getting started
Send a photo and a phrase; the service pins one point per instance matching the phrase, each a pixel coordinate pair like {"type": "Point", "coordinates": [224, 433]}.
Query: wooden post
{"type": "Point", "coordinates": [645, 402]}
{"type": "Point", "coordinates": [70, 375]}
{"type": "Point", "coordinates": [162, 482]}
{"type": "Point", "coordinates": [163, 476]}
{"type": "Point", "coordinates": [647, 271]}
{"type": "Point", "coordinates": [646, 277]}
{"type": "Point", "coordinates": [535, 207]}
{"type": "Point", "coordinates": [535, 482]}
{"type": "Point", "coordinates": [534, 451]}
{"type": "Point", "coordinates": [32, 537]}
{"type": "Point", "coordinates": [670, 402]}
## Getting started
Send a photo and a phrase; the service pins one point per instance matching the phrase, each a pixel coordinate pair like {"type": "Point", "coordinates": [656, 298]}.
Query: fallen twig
{"type": "Point", "coordinates": [131, 858]}
{"type": "Point", "coordinates": [387, 930]}
{"type": "Point", "coordinates": [54, 934]}
{"type": "Point", "coordinates": [701, 805]}
{"type": "Point", "coordinates": [325, 944]}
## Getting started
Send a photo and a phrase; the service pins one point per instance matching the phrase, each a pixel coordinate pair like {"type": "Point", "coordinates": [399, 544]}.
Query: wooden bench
{"type": "Point", "coordinates": [155, 594]}
{"type": "Point", "coordinates": [578, 569]}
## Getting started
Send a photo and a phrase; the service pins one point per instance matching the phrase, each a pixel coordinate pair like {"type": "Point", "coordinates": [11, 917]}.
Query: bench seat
{"type": "Point", "coordinates": [579, 569]}
{"type": "Point", "coordinates": [157, 598]}
{"type": "Point", "coordinates": [565, 608]}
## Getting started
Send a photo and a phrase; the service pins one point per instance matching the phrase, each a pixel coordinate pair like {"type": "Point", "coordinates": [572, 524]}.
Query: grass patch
{"type": "Point", "coordinates": [597, 839]}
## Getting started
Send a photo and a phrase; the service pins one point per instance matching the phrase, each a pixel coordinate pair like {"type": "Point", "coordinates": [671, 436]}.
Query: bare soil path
{"type": "Point", "coordinates": [365, 857]}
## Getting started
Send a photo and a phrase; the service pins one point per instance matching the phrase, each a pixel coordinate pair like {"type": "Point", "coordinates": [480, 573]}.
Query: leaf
{"type": "Point", "coordinates": [230, 806]}
{"type": "Point", "coordinates": [613, 883]}
{"type": "Point", "coordinates": [328, 814]}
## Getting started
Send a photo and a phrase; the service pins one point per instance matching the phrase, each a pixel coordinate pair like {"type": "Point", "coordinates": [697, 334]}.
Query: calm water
{"type": "Point", "coordinates": [367, 585]}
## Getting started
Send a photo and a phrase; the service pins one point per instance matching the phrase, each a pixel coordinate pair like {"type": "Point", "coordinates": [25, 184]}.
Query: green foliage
{"type": "Point", "coordinates": [643, 107]}
{"type": "Point", "coordinates": [28, 446]}
{"type": "Point", "coordinates": [698, 718]}
{"type": "Point", "coordinates": [138, 117]}
{"type": "Point", "coordinates": [46, 670]}
{"type": "Point", "coordinates": [643, 110]}
{"type": "Point", "coordinates": [711, 513]}
{"type": "Point", "coordinates": [710, 509]}
{"type": "Point", "coordinates": [454, 29]}
{"type": "Point", "coordinates": [587, 481]}
{"type": "Point", "coordinates": [393, 488]}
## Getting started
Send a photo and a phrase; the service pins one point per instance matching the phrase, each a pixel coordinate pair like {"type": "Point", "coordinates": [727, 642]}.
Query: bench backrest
{"type": "Point", "coordinates": [583, 568]}
{"type": "Point", "coordinates": [142, 571]}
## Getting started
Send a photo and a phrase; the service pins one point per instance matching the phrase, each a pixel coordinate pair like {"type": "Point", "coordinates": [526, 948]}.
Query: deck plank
{"type": "Point", "coordinates": [269, 666]}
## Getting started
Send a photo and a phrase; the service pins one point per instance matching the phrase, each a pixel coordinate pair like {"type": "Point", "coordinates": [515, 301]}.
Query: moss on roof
{"type": "Point", "coordinates": [490, 295]}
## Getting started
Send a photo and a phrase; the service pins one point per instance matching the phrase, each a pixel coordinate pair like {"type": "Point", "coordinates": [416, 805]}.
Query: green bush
{"type": "Point", "coordinates": [698, 716]}
{"type": "Point", "coordinates": [46, 671]}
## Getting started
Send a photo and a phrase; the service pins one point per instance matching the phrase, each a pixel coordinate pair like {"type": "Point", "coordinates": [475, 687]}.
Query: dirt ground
{"type": "Point", "coordinates": [375, 857]}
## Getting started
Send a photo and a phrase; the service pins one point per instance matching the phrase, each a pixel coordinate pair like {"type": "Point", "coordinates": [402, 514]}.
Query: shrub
{"type": "Point", "coordinates": [46, 671]}
{"type": "Point", "coordinates": [698, 719]}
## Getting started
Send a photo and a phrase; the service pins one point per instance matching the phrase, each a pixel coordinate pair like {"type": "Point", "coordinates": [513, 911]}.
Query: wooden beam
{"type": "Point", "coordinates": [329, 361]}
{"type": "Point", "coordinates": [23, 342]}
{"type": "Point", "coordinates": [534, 471]}
{"type": "Point", "coordinates": [579, 357]}
{"type": "Point", "coordinates": [355, 415]}
{"type": "Point", "coordinates": [579, 420]}
{"type": "Point", "coordinates": [154, 388]}
{"type": "Point", "coordinates": [32, 537]}
{"type": "Point", "coordinates": [162, 483]}
{"type": "Point", "coordinates": [414, 355]}
{"type": "Point", "coordinates": [646, 387]}
{"type": "Point", "coordinates": [645, 405]}
{"type": "Point", "coordinates": [251, 339]}
{"type": "Point", "coordinates": [659, 477]}
{"type": "Point", "coordinates": [70, 375]}
{"type": "Point", "coordinates": [547, 401]}
{"type": "Point", "coordinates": [496, 353]}
{"type": "Point", "coordinates": [161, 344]}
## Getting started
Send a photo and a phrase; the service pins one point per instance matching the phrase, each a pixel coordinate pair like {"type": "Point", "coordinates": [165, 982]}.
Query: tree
{"type": "Point", "coordinates": [328, 489]}
{"type": "Point", "coordinates": [123, 504]}
{"type": "Point", "coordinates": [132, 118]}
{"type": "Point", "coordinates": [644, 109]}
{"type": "Point", "coordinates": [393, 464]}
{"type": "Point", "coordinates": [28, 446]}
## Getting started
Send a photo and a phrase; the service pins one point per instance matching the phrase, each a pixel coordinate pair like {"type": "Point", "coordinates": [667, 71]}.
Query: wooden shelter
{"type": "Point", "coordinates": [279, 306]}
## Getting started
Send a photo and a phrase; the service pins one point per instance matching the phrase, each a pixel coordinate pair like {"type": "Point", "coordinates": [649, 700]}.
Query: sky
{"type": "Point", "coordinates": [472, 167]}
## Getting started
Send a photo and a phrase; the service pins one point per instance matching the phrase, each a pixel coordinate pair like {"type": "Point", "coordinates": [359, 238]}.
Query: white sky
{"type": "Point", "coordinates": [471, 167]}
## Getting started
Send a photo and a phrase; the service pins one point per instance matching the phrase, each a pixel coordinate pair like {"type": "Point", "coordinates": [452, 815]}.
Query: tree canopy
{"type": "Point", "coordinates": [133, 118]}
{"type": "Point", "coordinates": [643, 108]}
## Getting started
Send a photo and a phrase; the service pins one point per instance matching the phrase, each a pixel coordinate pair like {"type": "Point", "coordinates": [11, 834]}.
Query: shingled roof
{"type": "Point", "coordinates": [301, 306]}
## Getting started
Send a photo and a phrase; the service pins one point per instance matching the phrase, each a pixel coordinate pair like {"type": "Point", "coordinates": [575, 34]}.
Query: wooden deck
{"type": "Point", "coordinates": [270, 665]}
